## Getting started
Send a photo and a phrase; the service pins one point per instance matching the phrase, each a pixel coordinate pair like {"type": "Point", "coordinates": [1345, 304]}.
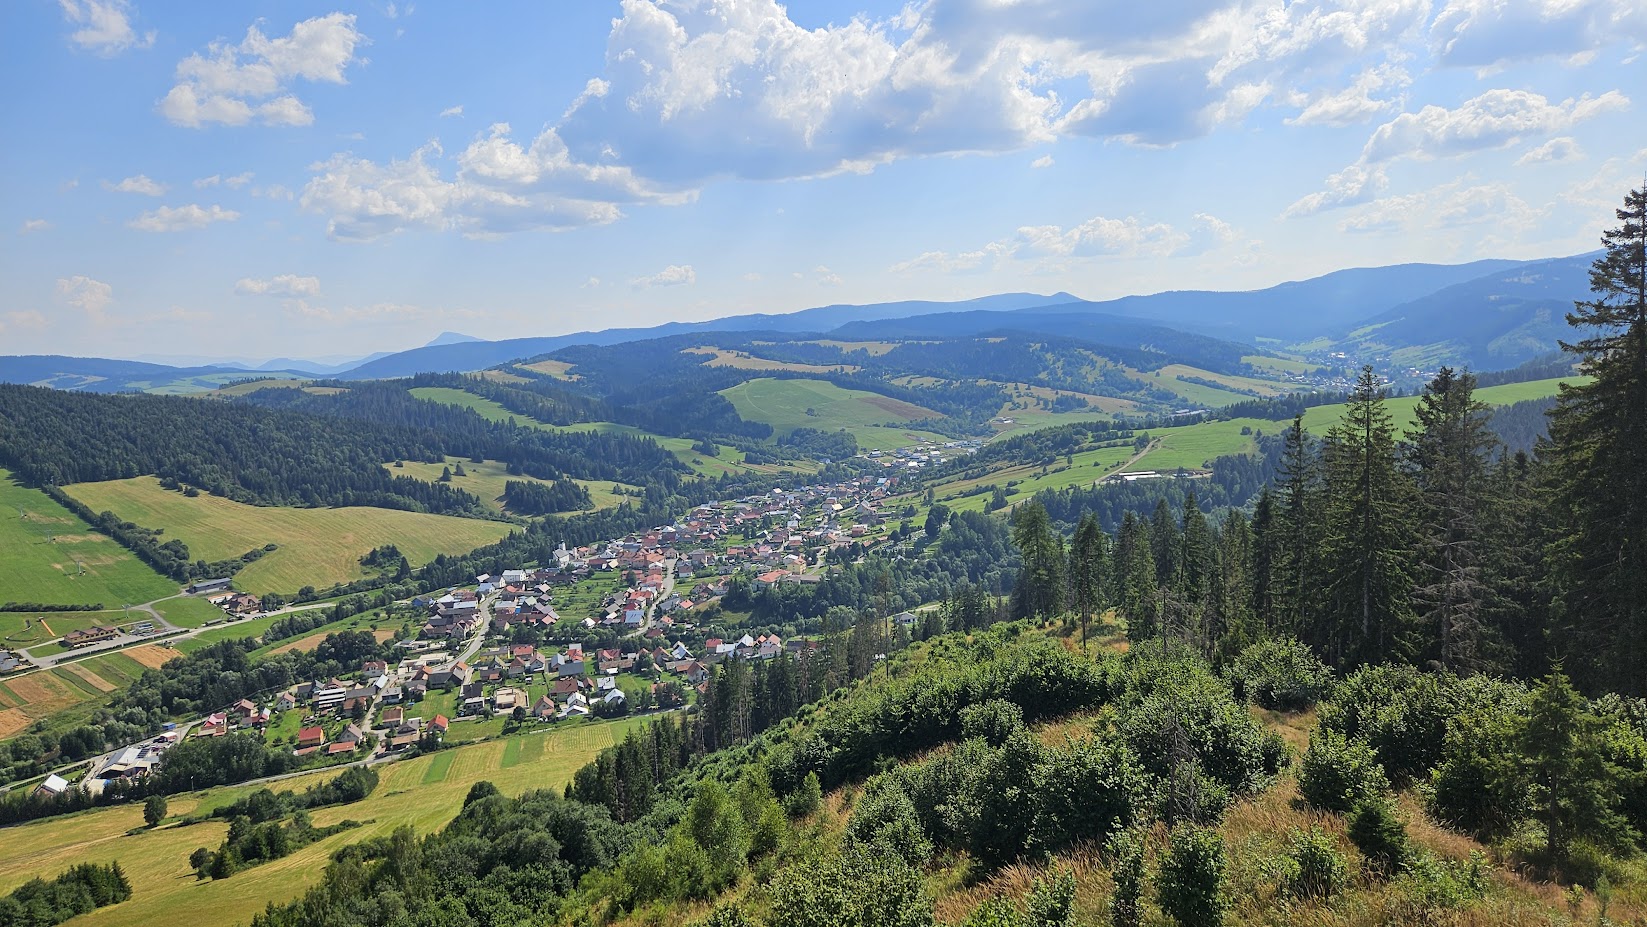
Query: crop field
{"type": "Point", "coordinates": [317, 547]}
{"type": "Point", "coordinates": [1280, 365]}
{"type": "Point", "coordinates": [872, 348]}
{"type": "Point", "coordinates": [1262, 387]}
{"type": "Point", "coordinates": [487, 480]}
{"type": "Point", "coordinates": [743, 360]}
{"type": "Point", "coordinates": [68, 693]}
{"type": "Point", "coordinates": [424, 793]}
{"type": "Point", "coordinates": [553, 368]}
{"type": "Point", "coordinates": [1202, 397]}
{"type": "Point", "coordinates": [54, 558]}
{"type": "Point", "coordinates": [1083, 469]}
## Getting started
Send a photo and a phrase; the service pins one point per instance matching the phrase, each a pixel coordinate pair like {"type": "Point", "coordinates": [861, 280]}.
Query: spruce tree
{"type": "Point", "coordinates": [1166, 544]}
{"type": "Point", "coordinates": [1229, 610]}
{"type": "Point", "coordinates": [1086, 571]}
{"type": "Point", "coordinates": [1599, 433]}
{"type": "Point", "coordinates": [1139, 588]}
{"type": "Point", "coordinates": [1367, 551]}
{"type": "Point", "coordinates": [1575, 787]}
{"type": "Point", "coordinates": [1293, 583]}
{"type": "Point", "coordinates": [1449, 456]}
{"type": "Point", "coordinates": [1039, 590]}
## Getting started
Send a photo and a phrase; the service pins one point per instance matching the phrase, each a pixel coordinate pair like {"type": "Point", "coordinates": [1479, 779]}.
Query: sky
{"type": "Point", "coordinates": [324, 180]}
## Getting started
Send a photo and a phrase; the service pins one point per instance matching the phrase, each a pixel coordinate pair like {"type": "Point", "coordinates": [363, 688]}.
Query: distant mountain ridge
{"type": "Point", "coordinates": [1494, 321]}
{"type": "Point", "coordinates": [1488, 314]}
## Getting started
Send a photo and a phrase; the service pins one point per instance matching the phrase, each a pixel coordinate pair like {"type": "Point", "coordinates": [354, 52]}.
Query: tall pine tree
{"type": "Point", "coordinates": [1367, 551]}
{"type": "Point", "coordinates": [1599, 432]}
{"type": "Point", "coordinates": [1449, 454]}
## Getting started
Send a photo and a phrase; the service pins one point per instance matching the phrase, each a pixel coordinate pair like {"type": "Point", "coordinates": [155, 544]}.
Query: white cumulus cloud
{"type": "Point", "coordinates": [182, 218]}
{"type": "Point", "coordinates": [233, 84]}
{"type": "Point", "coordinates": [1552, 151]}
{"type": "Point", "coordinates": [673, 275]}
{"type": "Point", "coordinates": [1483, 33]}
{"type": "Point", "coordinates": [1498, 118]}
{"type": "Point", "coordinates": [105, 26]}
{"type": "Point", "coordinates": [290, 285]}
{"type": "Point", "coordinates": [234, 182]}
{"type": "Point", "coordinates": [84, 293]}
{"type": "Point", "coordinates": [452, 111]}
{"type": "Point", "coordinates": [34, 225]}
{"type": "Point", "coordinates": [140, 184]}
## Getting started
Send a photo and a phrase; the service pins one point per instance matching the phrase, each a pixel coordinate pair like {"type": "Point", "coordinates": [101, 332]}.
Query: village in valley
{"type": "Point", "coordinates": [628, 626]}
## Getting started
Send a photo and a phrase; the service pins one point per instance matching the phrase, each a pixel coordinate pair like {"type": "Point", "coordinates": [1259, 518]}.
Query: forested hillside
{"type": "Point", "coordinates": [1355, 705]}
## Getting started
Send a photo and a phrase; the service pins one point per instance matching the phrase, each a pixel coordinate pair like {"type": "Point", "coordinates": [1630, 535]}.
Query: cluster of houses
{"type": "Point", "coordinates": [96, 634]}
{"type": "Point", "coordinates": [237, 603]}
{"type": "Point", "coordinates": [920, 456]}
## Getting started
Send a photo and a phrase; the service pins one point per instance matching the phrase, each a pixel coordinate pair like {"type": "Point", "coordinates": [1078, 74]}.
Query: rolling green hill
{"type": "Point", "coordinates": [790, 404]}
{"type": "Point", "coordinates": [316, 547]}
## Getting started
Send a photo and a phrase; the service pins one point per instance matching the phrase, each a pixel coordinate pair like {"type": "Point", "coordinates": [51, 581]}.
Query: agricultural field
{"type": "Point", "coordinates": [1279, 365]}
{"type": "Point", "coordinates": [1234, 382]}
{"type": "Point", "coordinates": [1083, 469]}
{"type": "Point", "coordinates": [252, 386]}
{"type": "Point", "coordinates": [872, 348]}
{"type": "Point", "coordinates": [66, 694]}
{"type": "Point", "coordinates": [743, 360]}
{"type": "Point", "coordinates": [316, 547]}
{"type": "Point", "coordinates": [553, 368]}
{"type": "Point", "coordinates": [423, 793]}
{"type": "Point", "coordinates": [1202, 397]}
{"type": "Point", "coordinates": [54, 558]}
{"type": "Point", "coordinates": [1192, 446]}
{"type": "Point", "coordinates": [790, 404]}
{"type": "Point", "coordinates": [487, 480]}
{"type": "Point", "coordinates": [729, 461]}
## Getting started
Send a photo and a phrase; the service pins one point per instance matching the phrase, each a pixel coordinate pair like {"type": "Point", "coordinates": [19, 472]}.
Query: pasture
{"type": "Point", "coordinates": [487, 481]}
{"type": "Point", "coordinates": [729, 461]}
{"type": "Point", "coordinates": [790, 404]}
{"type": "Point", "coordinates": [423, 793]}
{"type": "Point", "coordinates": [743, 360]}
{"type": "Point", "coordinates": [316, 547]}
{"type": "Point", "coordinates": [1193, 446]}
{"type": "Point", "coordinates": [54, 558]}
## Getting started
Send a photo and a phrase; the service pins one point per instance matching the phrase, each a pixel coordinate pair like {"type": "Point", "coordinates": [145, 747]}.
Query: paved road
{"type": "Point", "coordinates": [164, 631]}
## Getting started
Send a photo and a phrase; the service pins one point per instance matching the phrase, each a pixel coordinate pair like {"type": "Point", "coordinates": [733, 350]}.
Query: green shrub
{"type": "Point", "coordinates": [1192, 883]}
{"type": "Point", "coordinates": [1398, 711]}
{"type": "Point", "coordinates": [885, 816]}
{"type": "Point", "coordinates": [1282, 674]}
{"type": "Point", "coordinates": [807, 799]}
{"type": "Point", "coordinates": [1380, 834]}
{"type": "Point", "coordinates": [1314, 867]}
{"type": "Point", "coordinates": [1337, 774]}
{"type": "Point", "coordinates": [1125, 850]}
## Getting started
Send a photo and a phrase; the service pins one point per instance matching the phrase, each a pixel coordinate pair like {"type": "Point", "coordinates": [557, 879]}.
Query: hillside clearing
{"type": "Point", "coordinates": [316, 547]}
{"type": "Point", "coordinates": [790, 404]}
{"type": "Point", "coordinates": [743, 360]}
{"type": "Point", "coordinates": [488, 478]}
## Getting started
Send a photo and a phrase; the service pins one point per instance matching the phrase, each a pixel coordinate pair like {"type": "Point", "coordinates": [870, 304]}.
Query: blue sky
{"type": "Point", "coordinates": [254, 180]}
